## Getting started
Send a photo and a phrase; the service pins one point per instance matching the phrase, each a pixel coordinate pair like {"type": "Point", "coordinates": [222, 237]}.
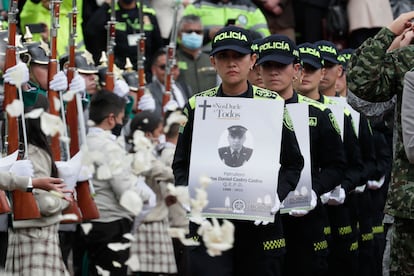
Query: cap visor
{"type": "Point", "coordinates": [276, 58]}
{"type": "Point", "coordinates": [312, 63]}
{"type": "Point", "coordinates": [238, 49]}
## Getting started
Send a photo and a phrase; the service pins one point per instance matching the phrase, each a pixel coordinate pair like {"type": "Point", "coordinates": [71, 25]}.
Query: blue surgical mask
{"type": "Point", "coordinates": [191, 41]}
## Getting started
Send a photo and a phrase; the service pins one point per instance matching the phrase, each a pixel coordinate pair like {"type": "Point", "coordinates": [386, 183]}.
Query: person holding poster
{"type": "Point", "coordinates": [258, 248]}
{"type": "Point", "coordinates": [306, 243]}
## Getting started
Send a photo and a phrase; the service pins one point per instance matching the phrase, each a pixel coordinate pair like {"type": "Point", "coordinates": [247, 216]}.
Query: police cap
{"type": "Point", "coordinates": [237, 131]}
{"type": "Point", "coordinates": [328, 51]}
{"type": "Point", "coordinates": [345, 56]}
{"type": "Point", "coordinates": [278, 48]}
{"type": "Point", "coordinates": [232, 38]}
{"type": "Point", "coordinates": [309, 54]}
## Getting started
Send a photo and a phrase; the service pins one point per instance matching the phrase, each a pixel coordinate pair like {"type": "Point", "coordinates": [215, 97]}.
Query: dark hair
{"type": "Point", "coordinates": [104, 103]}
{"type": "Point", "coordinates": [146, 121]}
{"type": "Point", "coordinates": [35, 135]}
{"type": "Point", "coordinates": [160, 52]}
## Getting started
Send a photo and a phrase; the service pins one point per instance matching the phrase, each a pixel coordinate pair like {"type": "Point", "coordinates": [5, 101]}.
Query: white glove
{"type": "Point", "coordinates": [84, 174]}
{"type": "Point", "coordinates": [22, 168]}
{"type": "Point", "coordinates": [274, 210]}
{"type": "Point", "coordinates": [59, 82]}
{"type": "Point", "coordinates": [121, 88]}
{"type": "Point", "coordinates": [360, 189]}
{"type": "Point", "coordinates": [301, 213]}
{"type": "Point", "coordinates": [374, 185]}
{"type": "Point", "coordinates": [171, 105]}
{"type": "Point", "coordinates": [77, 84]}
{"type": "Point", "coordinates": [337, 198]}
{"type": "Point", "coordinates": [68, 173]}
{"type": "Point", "coordinates": [325, 197]}
{"type": "Point", "coordinates": [17, 74]}
{"type": "Point", "coordinates": [146, 102]}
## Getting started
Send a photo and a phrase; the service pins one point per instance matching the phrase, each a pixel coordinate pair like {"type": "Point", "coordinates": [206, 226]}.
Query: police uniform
{"type": "Point", "coordinates": [235, 157]}
{"type": "Point", "coordinates": [307, 247]}
{"type": "Point", "coordinates": [257, 250]}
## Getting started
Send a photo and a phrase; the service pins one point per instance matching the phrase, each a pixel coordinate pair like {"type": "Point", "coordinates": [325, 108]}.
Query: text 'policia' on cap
{"type": "Point", "coordinates": [277, 48]}
{"type": "Point", "coordinates": [232, 38]}
{"type": "Point", "coordinates": [309, 54]}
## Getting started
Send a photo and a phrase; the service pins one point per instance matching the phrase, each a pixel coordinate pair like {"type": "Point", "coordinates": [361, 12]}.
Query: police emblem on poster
{"type": "Point", "coordinates": [236, 143]}
{"type": "Point", "coordinates": [300, 198]}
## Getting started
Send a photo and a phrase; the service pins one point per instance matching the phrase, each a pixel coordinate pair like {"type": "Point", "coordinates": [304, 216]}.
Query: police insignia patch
{"type": "Point", "coordinates": [334, 123]}
{"type": "Point", "coordinates": [287, 121]}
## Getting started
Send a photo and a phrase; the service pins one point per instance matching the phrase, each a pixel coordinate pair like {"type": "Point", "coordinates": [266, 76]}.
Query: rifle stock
{"type": "Point", "coordinates": [24, 204]}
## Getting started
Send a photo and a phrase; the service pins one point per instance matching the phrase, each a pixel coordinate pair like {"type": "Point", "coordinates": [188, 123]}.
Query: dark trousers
{"type": "Point", "coordinates": [257, 250]}
{"type": "Point", "coordinates": [3, 248]}
{"type": "Point", "coordinates": [181, 257]}
{"type": "Point", "coordinates": [97, 242]}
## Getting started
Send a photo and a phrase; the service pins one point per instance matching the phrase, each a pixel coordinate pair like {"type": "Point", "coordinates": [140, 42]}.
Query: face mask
{"type": "Point", "coordinates": [192, 41]}
{"type": "Point", "coordinates": [117, 129]}
{"type": "Point", "coordinates": [128, 1]}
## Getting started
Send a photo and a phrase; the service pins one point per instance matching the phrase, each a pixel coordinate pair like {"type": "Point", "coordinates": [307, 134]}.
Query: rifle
{"type": "Point", "coordinates": [52, 71]}
{"type": "Point", "coordinates": [141, 55]}
{"type": "Point", "coordinates": [24, 204]}
{"type": "Point", "coordinates": [171, 61]}
{"type": "Point", "coordinates": [110, 44]}
{"type": "Point", "coordinates": [85, 208]}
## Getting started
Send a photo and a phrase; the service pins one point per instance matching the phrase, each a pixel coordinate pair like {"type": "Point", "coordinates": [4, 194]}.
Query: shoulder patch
{"type": "Point", "coordinates": [287, 121]}
{"type": "Point", "coordinates": [334, 123]}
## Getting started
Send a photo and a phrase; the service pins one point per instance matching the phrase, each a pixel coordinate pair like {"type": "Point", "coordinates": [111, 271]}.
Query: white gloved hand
{"type": "Point", "coordinates": [77, 84]}
{"type": "Point", "coordinates": [374, 184]}
{"type": "Point", "coordinates": [68, 172]}
{"type": "Point", "coordinates": [325, 197]}
{"type": "Point", "coordinates": [59, 82]}
{"type": "Point", "coordinates": [84, 174]}
{"type": "Point", "coordinates": [17, 74]}
{"type": "Point", "coordinates": [360, 189]}
{"type": "Point", "coordinates": [273, 211]}
{"type": "Point", "coordinates": [171, 105]}
{"type": "Point", "coordinates": [22, 168]}
{"type": "Point", "coordinates": [301, 213]}
{"type": "Point", "coordinates": [337, 198]}
{"type": "Point", "coordinates": [146, 102]}
{"type": "Point", "coordinates": [121, 88]}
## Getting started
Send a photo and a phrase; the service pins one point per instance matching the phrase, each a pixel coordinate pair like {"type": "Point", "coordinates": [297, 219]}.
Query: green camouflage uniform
{"type": "Point", "coordinates": [377, 76]}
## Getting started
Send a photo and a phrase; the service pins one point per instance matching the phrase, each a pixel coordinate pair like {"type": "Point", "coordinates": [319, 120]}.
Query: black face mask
{"type": "Point", "coordinates": [117, 129]}
{"type": "Point", "coordinates": [128, 1]}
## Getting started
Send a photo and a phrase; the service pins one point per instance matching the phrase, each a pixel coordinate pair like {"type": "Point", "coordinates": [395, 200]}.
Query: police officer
{"type": "Point", "coordinates": [195, 67]}
{"type": "Point", "coordinates": [257, 250]}
{"type": "Point", "coordinates": [236, 154]}
{"type": "Point", "coordinates": [307, 247]}
{"type": "Point", "coordinates": [341, 206]}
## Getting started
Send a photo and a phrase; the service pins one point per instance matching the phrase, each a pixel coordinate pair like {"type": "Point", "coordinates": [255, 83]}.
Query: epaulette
{"type": "Point", "coordinates": [312, 102]}
{"type": "Point", "coordinates": [264, 93]}
{"type": "Point", "coordinates": [207, 93]}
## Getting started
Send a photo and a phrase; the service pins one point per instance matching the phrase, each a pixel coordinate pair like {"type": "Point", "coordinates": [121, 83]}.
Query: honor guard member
{"type": "Point", "coordinates": [341, 205]}
{"type": "Point", "coordinates": [258, 249]}
{"type": "Point", "coordinates": [127, 27]}
{"type": "Point", "coordinates": [306, 244]}
{"type": "Point", "coordinates": [236, 154]}
{"type": "Point", "coordinates": [195, 67]}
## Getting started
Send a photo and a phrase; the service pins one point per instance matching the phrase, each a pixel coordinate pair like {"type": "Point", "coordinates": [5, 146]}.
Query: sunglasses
{"type": "Point", "coordinates": [193, 31]}
{"type": "Point", "coordinates": [164, 66]}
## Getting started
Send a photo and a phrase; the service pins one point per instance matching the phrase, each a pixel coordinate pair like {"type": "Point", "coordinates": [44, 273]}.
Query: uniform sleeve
{"type": "Point", "coordinates": [10, 182]}
{"type": "Point", "coordinates": [367, 146]}
{"type": "Point", "coordinates": [407, 116]}
{"type": "Point", "coordinates": [291, 161]}
{"type": "Point", "coordinates": [353, 156]}
{"type": "Point", "coordinates": [331, 162]}
{"type": "Point", "coordinates": [372, 71]}
{"type": "Point", "coordinates": [258, 23]}
{"type": "Point", "coordinates": [181, 163]}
